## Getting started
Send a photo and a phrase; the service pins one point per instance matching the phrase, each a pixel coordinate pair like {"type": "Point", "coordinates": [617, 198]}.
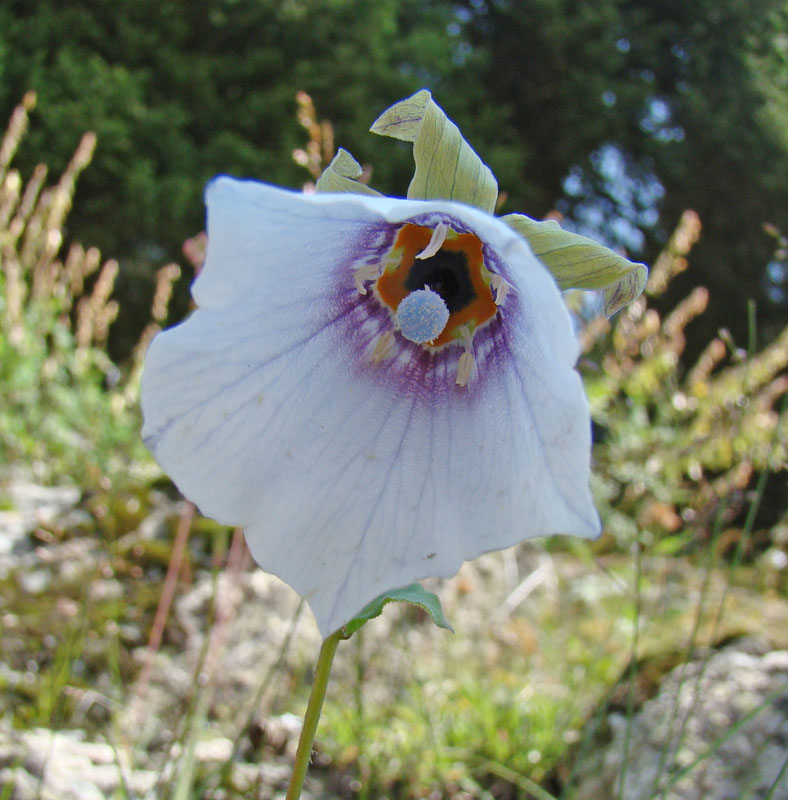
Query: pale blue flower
{"type": "Point", "coordinates": [356, 459]}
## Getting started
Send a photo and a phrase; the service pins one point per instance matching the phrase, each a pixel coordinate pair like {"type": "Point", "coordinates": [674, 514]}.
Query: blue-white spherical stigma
{"type": "Point", "coordinates": [422, 316]}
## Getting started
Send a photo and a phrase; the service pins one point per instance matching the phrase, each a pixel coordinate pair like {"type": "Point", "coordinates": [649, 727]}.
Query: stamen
{"type": "Point", "coordinates": [466, 334]}
{"type": "Point", "coordinates": [436, 241]}
{"type": "Point", "coordinates": [465, 368]}
{"type": "Point", "coordinates": [384, 347]}
{"type": "Point", "coordinates": [501, 288]}
{"type": "Point", "coordinates": [369, 272]}
{"type": "Point", "coordinates": [422, 316]}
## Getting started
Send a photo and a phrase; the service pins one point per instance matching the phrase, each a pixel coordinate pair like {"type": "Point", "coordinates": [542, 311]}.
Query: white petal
{"type": "Point", "coordinates": [346, 485]}
{"type": "Point", "coordinates": [260, 236]}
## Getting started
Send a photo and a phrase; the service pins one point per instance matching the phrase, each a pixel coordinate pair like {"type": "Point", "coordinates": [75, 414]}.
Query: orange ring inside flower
{"type": "Point", "coordinates": [469, 300]}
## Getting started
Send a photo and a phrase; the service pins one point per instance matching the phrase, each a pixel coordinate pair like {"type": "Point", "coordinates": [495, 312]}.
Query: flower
{"type": "Point", "coordinates": [376, 389]}
{"type": "Point", "coordinates": [357, 460]}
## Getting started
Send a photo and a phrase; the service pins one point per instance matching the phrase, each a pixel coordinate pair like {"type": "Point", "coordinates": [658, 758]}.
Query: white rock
{"type": "Point", "coordinates": [689, 719]}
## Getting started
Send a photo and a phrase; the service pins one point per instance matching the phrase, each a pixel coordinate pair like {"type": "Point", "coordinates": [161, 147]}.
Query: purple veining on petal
{"type": "Point", "coordinates": [413, 370]}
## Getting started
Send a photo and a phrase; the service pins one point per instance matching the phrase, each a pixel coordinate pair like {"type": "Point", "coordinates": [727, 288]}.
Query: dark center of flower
{"type": "Point", "coordinates": [446, 273]}
{"type": "Point", "coordinates": [456, 273]}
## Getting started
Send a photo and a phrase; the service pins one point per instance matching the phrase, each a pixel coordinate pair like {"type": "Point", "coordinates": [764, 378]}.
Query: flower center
{"type": "Point", "coordinates": [453, 272]}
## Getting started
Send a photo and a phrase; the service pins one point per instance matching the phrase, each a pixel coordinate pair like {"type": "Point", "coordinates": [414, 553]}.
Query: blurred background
{"type": "Point", "coordinates": [657, 126]}
{"type": "Point", "coordinates": [621, 115]}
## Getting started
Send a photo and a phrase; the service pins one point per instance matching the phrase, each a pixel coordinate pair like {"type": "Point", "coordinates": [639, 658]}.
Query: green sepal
{"type": "Point", "coordinates": [447, 167]}
{"type": "Point", "coordinates": [629, 288]}
{"type": "Point", "coordinates": [415, 594]}
{"type": "Point", "coordinates": [577, 262]}
{"type": "Point", "coordinates": [342, 174]}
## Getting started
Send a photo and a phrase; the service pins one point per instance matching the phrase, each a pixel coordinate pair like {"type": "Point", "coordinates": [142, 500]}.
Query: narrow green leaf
{"type": "Point", "coordinates": [447, 167]}
{"type": "Point", "coordinates": [415, 594]}
{"type": "Point", "coordinates": [578, 262]}
{"type": "Point", "coordinates": [342, 174]}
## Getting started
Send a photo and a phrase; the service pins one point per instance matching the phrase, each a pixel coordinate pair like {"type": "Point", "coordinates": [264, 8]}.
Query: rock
{"type": "Point", "coordinates": [216, 750]}
{"type": "Point", "coordinates": [62, 765]}
{"type": "Point", "coordinates": [35, 581]}
{"type": "Point", "coordinates": [695, 738]}
{"type": "Point", "coordinates": [30, 506]}
{"type": "Point", "coordinates": [25, 786]}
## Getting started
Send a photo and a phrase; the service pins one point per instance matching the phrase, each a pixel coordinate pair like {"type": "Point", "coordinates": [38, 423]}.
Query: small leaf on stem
{"type": "Point", "coordinates": [414, 594]}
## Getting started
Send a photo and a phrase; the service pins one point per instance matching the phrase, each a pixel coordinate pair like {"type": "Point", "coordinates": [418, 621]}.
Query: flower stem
{"type": "Point", "coordinates": [304, 752]}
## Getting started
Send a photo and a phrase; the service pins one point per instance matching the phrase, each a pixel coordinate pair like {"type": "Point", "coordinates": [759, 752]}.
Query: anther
{"type": "Point", "coordinates": [383, 348]}
{"type": "Point", "coordinates": [501, 288]}
{"type": "Point", "coordinates": [370, 272]}
{"type": "Point", "coordinates": [436, 241]}
{"type": "Point", "coordinates": [465, 368]}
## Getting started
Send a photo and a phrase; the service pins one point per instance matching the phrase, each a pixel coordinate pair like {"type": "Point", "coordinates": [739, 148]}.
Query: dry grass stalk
{"type": "Point", "coordinates": [9, 196]}
{"type": "Point", "coordinates": [707, 362]}
{"type": "Point", "coordinates": [165, 278]}
{"type": "Point", "coordinates": [15, 294]}
{"type": "Point", "coordinates": [26, 205]}
{"type": "Point", "coordinates": [673, 259]}
{"type": "Point", "coordinates": [32, 191]}
{"type": "Point", "coordinates": [676, 322]}
{"type": "Point", "coordinates": [95, 312]}
{"type": "Point", "coordinates": [16, 130]}
{"type": "Point", "coordinates": [319, 149]}
{"type": "Point", "coordinates": [31, 232]}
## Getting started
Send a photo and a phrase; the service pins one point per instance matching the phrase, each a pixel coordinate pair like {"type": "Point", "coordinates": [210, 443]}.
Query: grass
{"type": "Point", "coordinates": [143, 625]}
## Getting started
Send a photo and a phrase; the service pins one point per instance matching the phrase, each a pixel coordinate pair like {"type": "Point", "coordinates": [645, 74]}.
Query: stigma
{"type": "Point", "coordinates": [422, 316]}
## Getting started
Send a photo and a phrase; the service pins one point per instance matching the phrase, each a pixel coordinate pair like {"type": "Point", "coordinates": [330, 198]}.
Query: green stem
{"type": "Point", "coordinates": [312, 716]}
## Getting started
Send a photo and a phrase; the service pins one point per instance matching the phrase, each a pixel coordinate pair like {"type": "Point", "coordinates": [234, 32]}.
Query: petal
{"type": "Point", "coordinates": [352, 477]}
{"type": "Point", "coordinates": [251, 226]}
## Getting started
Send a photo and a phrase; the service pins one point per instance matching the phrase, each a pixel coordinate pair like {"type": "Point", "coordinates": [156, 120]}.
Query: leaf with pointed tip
{"type": "Point", "coordinates": [577, 262]}
{"type": "Point", "coordinates": [629, 288]}
{"type": "Point", "coordinates": [447, 167]}
{"type": "Point", "coordinates": [414, 594]}
{"type": "Point", "coordinates": [342, 174]}
{"type": "Point", "coordinates": [403, 120]}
